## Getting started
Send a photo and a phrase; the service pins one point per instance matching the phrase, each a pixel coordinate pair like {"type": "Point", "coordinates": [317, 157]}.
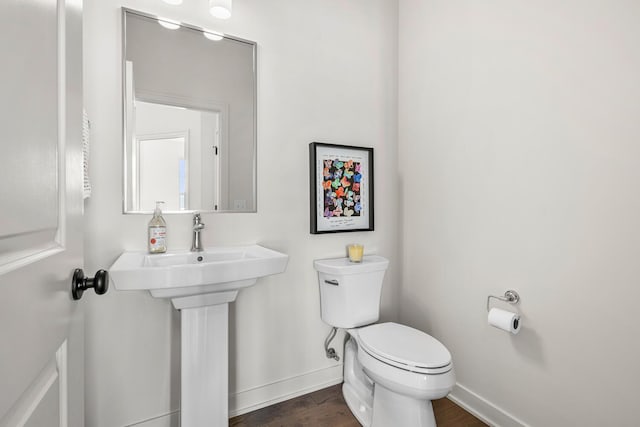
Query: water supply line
{"type": "Point", "coordinates": [331, 352]}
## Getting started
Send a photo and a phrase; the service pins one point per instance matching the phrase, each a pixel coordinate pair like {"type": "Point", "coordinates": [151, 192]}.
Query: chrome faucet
{"type": "Point", "coordinates": [196, 243]}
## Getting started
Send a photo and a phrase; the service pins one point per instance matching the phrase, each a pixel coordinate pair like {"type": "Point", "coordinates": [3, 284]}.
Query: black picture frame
{"type": "Point", "coordinates": [341, 188]}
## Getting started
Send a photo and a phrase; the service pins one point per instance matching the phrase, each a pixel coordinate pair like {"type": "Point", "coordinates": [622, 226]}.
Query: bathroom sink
{"type": "Point", "coordinates": [201, 285]}
{"type": "Point", "coordinates": [177, 274]}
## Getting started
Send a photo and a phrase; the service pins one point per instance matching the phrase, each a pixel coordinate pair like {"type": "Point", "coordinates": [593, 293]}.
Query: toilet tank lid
{"type": "Point", "coordinates": [342, 266]}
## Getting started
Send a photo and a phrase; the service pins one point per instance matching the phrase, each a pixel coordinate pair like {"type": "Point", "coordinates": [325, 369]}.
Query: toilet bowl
{"type": "Point", "coordinates": [391, 371]}
{"type": "Point", "coordinates": [407, 368]}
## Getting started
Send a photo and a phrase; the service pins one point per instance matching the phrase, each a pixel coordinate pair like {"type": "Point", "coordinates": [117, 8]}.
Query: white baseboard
{"type": "Point", "coordinates": [483, 409]}
{"type": "Point", "coordinates": [279, 391]}
{"type": "Point", "coordinates": [262, 396]}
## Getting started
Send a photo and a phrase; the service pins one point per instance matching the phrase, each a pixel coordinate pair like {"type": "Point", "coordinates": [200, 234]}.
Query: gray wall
{"type": "Point", "coordinates": [316, 82]}
{"type": "Point", "coordinates": [519, 157]}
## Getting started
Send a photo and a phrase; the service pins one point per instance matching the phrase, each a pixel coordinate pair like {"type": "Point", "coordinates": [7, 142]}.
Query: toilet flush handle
{"type": "Point", "coordinates": [332, 282]}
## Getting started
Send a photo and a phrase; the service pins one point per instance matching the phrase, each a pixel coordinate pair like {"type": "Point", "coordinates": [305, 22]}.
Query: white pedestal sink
{"type": "Point", "coordinates": [201, 285]}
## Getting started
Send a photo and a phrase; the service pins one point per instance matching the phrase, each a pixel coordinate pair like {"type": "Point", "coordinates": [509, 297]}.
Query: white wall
{"type": "Point", "coordinates": [518, 159]}
{"type": "Point", "coordinates": [326, 72]}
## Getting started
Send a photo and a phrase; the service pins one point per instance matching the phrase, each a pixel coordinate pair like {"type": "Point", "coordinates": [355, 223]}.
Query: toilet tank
{"type": "Point", "coordinates": [350, 292]}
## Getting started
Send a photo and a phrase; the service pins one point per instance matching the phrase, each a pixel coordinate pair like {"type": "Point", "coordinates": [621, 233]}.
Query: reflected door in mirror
{"type": "Point", "coordinates": [175, 153]}
{"type": "Point", "coordinates": [190, 118]}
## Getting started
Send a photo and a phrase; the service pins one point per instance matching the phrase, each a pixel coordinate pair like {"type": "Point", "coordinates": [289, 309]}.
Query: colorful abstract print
{"type": "Point", "coordinates": [341, 181]}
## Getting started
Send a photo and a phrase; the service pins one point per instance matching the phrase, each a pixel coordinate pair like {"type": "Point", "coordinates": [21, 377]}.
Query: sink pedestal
{"type": "Point", "coordinates": [205, 359]}
{"type": "Point", "coordinates": [201, 285]}
{"type": "Point", "coordinates": [205, 379]}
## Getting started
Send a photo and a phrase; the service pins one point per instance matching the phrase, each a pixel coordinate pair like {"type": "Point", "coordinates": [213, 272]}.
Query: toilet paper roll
{"type": "Point", "coordinates": [505, 320]}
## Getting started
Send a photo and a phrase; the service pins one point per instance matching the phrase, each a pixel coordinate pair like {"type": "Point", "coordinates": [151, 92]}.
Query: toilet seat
{"type": "Point", "coordinates": [405, 348]}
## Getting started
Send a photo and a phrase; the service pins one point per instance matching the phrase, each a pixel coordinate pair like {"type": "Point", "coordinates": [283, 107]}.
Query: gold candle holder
{"type": "Point", "coordinates": [355, 252]}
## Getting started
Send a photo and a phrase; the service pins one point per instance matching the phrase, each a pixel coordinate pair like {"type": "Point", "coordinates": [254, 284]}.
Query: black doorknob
{"type": "Point", "coordinates": [79, 283]}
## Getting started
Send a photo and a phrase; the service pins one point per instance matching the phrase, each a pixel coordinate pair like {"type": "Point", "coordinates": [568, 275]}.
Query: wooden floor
{"type": "Point", "coordinates": [327, 408]}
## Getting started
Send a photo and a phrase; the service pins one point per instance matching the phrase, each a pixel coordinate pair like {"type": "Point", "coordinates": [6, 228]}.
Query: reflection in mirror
{"type": "Point", "coordinates": [190, 103]}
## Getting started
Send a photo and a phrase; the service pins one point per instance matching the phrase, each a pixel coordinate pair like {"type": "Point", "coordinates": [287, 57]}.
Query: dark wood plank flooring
{"type": "Point", "coordinates": [327, 408]}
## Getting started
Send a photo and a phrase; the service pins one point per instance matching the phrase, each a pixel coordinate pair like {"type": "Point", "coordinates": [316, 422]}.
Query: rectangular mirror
{"type": "Point", "coordinates": [189, 117]}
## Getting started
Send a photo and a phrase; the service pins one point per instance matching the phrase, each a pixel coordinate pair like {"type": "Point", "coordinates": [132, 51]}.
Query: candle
{"type": "Point", "coordinates": [355, 252]}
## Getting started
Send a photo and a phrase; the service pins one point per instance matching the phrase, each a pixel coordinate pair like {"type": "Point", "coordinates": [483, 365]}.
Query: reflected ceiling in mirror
{"type": "Point", "coordinates": [190, 117]}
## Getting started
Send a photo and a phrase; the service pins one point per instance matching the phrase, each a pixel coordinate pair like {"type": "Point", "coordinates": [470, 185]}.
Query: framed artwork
{"type": "Point", "coordinates": [341, 193]}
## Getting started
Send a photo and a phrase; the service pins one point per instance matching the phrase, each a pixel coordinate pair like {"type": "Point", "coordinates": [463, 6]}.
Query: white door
{"type": "Point", "coordinates": [41, 336]}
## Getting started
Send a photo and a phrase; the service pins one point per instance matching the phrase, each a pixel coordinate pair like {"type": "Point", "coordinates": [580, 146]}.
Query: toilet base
{"type": "Point", "coordinates": [391, 408]}
{"type": "Point", "coordinates": [357, 388]}
{"type": "Point", "coordinates": [373, 405]}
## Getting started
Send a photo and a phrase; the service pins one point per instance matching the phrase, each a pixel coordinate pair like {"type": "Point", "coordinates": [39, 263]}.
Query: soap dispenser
{"type": "Point", "coordinates": [157, 240]}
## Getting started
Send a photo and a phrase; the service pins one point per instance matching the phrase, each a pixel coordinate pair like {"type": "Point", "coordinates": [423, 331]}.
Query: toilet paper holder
{"type": "Point", "coordinates": [509, 296]}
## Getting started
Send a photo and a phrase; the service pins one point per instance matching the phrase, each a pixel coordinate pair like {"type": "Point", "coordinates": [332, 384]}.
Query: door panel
{"type": "Point", "coordinates": [40, 212]}
{"type": "Point", "coordinates": [30, 135]}
{"type": "Point", "coordinates": [44, 402]}
{"type": "Point", "coordinates": [48, 408]}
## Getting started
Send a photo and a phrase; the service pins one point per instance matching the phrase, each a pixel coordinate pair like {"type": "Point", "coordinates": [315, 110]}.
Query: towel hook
{"type": "Point", "coordinates": [509, 296]}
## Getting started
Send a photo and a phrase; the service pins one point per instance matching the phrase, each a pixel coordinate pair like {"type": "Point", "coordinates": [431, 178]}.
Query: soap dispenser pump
{"type": "Point", "coordinates": [157, 238]}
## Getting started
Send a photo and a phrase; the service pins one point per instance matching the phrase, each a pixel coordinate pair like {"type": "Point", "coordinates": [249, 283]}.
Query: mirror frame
{"type": "Point", "coordinates": [125, 208]}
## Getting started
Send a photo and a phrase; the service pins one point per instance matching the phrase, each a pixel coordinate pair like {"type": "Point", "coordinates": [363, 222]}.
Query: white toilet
{"type": "Point", "coordinates": [391, 371]}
